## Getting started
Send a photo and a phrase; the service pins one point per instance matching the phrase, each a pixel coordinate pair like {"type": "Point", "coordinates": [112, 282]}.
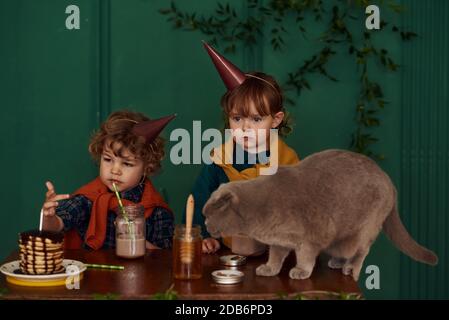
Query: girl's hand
{"type": "Point", "coordinates": [51, 198]}
{"type": "Point", "coordinates": [210, 245]}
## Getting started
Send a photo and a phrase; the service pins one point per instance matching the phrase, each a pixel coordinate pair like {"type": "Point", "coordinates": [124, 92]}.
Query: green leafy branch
{"type": "Point", "coordinates": [169, 294]}
{"type": "Point", "coordinates": [316, 64]}
{"type": "Point", "coordinates": [320, 295]}
{"type": "Point", "coordinates": [224, 26]}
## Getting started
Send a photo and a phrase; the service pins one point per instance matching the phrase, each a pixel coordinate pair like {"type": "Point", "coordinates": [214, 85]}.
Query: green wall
{"type": "Point", "coordinates": [49, 89]}
{"type": "Point", "coordinates": [57, 85]}
{"type": "Point", "coordinates": [424, 148]}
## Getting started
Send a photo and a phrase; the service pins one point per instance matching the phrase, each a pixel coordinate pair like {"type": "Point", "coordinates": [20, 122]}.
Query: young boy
{"type": "Point", "coordinates": [128, 150]}
{"type": "Point", "coordinates": [252, 105]}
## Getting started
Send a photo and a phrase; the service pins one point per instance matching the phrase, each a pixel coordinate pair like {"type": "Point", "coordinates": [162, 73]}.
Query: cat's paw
{"type": "Point", "coordinates": [298, 273]}
{"type": "Point", "coordinates": [350, 270]}
{"type": "Point", "coordinates": [266, 271]}
{"type": "Point", "coordinates": [336, 263]}
{"type": "Point", "coordinates": [347, 269]}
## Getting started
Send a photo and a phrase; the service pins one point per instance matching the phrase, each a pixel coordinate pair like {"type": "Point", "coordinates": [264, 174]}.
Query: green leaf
{"type": "Point", "coordinates": [306, 84]}
{"type": "Point", "coordinates": [290, 101]}
{"type": "Point", "coordinates": [349, 296]}
{"type": "Point", "coordinates": [3, 291]}
{"type": "Point", "coordinates": [381, 104]}
{"type": "Point", "coordinates": [107, 296]}
{"type": "Point", "coordinates": [371, 122]}
{"type": "Point", "coordinates": [169, 294]}
{"type": "Point", "coordinates": [282, 295]}
{"type": "Point", "coordinates": [300, 297]}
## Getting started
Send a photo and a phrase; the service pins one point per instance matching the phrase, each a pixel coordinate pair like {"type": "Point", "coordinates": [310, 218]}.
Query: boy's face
{"type": "Point", "coordinates": [248, 131]}
{"type": "Point", "coordinates": [126, 171]}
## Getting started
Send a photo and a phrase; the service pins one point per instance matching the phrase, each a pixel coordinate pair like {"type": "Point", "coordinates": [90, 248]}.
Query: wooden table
{"type": "Point", "coordinates": [143, 278]}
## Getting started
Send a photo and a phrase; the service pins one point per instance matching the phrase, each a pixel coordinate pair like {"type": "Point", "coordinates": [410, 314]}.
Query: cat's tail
{"type": "Point", "coordinates": [397, 233]}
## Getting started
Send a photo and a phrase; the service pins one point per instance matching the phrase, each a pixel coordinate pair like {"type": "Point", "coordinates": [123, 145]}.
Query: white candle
{"type": "Point", "coordinates": [40, 222]}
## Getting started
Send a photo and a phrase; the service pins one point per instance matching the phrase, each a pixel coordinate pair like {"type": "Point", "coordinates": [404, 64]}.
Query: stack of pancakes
{"type": "Point", "coordinates": [41, 252]}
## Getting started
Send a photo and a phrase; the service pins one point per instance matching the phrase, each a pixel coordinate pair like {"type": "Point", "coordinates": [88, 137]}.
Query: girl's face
{"type": "Point", "coordinates": [253, 132]}
{"type": "Point", "coordinates": [125, 171]}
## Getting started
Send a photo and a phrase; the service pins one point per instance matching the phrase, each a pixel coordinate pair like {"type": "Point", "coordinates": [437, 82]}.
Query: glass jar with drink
{"type": "Point", "coordinates": [130, 231]}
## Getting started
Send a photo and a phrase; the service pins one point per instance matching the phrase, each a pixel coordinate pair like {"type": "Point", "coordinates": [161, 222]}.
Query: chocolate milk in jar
{"type": "Point", "coordinates": [130, 231]}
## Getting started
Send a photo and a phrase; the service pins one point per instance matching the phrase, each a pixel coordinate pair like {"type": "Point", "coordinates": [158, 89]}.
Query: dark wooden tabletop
{"type": "Point", "coordinates": [144, 277]}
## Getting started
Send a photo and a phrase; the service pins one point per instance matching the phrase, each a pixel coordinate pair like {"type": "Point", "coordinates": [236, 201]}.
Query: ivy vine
{"type": "Point", "coordinates": [231, 28]}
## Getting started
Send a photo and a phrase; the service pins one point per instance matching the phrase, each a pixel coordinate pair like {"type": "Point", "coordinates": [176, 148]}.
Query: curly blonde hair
{"type": "Point", "coordinates": [116, 132]}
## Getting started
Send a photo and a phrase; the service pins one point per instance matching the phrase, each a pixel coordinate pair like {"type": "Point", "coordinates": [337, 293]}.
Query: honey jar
{"type": "Point", "coordinates": [187, 253]}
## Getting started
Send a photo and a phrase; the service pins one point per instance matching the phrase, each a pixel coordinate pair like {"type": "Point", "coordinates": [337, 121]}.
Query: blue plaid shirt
{"type": "Point", "coordinates": [75, 213]}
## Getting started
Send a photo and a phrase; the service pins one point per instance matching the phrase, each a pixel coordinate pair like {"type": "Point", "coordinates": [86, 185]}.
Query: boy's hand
{"type": "Point", "coordinates": [210, 245]}
{"type": "Point", "coordinates": [51, 199]}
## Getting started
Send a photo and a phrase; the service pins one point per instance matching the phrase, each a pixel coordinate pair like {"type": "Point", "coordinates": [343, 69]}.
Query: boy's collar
{"type": "Point", "coordinates": [134, 194]}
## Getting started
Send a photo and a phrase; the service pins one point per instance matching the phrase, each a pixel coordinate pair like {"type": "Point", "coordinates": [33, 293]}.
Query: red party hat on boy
{"type": "Point", "coordinates": [229, 73]}
{"type": "Point", "coordinates": [152, 128]}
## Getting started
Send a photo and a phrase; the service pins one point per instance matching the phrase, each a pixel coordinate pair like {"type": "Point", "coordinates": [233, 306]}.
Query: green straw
{"type": "Point", "coordinates": [120, 202]}
{"type": "Point", "coordinates": [125, 215]}
{"type": "Point", "coordinates": [104, 266]}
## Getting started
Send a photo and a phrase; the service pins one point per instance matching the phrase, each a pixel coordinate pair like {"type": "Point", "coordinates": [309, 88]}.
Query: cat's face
{"type": "Point", "coordinates": [222, 213]}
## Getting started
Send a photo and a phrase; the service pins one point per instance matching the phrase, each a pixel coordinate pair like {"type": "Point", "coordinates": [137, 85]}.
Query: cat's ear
{"type": "Point", "coordinates": [225, 198]}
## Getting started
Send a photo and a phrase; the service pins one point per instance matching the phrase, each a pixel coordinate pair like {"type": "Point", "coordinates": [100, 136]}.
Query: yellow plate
{"type": "Point", "coordinates": [26, 283]}
{"type": "Point", "coordinates": [73, 268]}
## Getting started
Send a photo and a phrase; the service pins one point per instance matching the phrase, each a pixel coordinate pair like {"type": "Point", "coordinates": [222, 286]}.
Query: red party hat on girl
{"type": "Point", "coordinates": [229, 73]}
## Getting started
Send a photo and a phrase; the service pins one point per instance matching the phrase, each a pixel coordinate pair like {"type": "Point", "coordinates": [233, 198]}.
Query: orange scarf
{"type": "Point", "coordinates": [104, 201]}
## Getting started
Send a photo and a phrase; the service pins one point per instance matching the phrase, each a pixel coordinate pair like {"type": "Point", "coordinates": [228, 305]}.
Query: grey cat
{"type": "Point", "coordinates": [335, 202]}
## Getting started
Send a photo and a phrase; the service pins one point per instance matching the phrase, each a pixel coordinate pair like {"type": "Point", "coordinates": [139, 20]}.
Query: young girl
{"type": "Point", "coordinates": [253, 104]}
{"type": "Point", "coordinates": [128, 150]}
